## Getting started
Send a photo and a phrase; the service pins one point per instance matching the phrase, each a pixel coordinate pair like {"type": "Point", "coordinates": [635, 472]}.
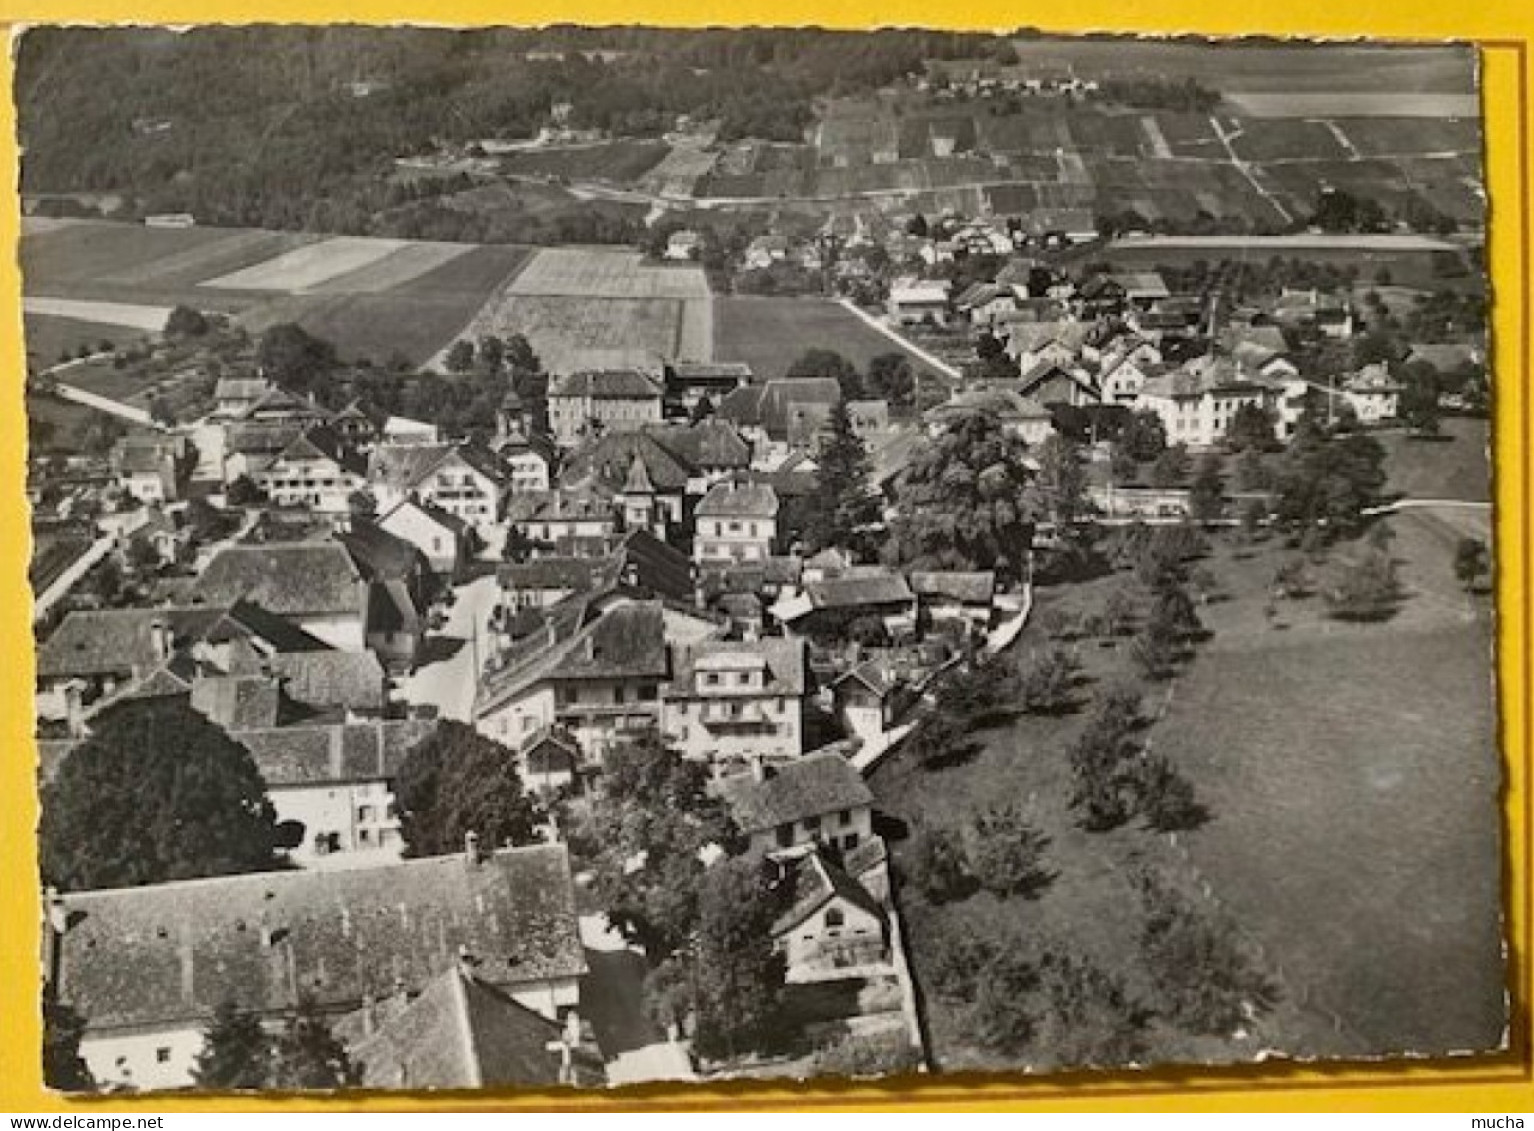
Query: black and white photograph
{"type": "Point", "coordinates": [582, 556]}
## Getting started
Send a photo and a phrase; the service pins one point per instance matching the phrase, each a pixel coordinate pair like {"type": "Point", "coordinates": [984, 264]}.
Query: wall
{"type": "Point", "coordinates": [335, 808]}
{"type": "Point", "coordinates": [134, 1058]}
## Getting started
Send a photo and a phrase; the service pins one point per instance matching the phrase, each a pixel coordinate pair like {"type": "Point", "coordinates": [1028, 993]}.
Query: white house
{"type": "Point", "coordinates": [819, 799]}
{"type": "Point", "coordinates": [736, 522]}
{"type": "Point", "coordinates": [917, 301]}
{"type": "Point", "coordinates": [834, 926]}
{"type": "Point", "coordinates": [1198, 402]}
{"type": "Point", "coordinates": [442, 537]}
{"type": "Point", "coordinates": [315, 472]}
{"type": "Point", "coordinates": [463, 480]}
{"type": "Point", "coordinates": [731, 700]}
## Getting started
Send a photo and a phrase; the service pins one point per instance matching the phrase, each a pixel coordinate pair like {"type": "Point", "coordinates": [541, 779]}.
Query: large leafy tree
{"type": "Point", "coordinates": [844, 509]}
{"type": "Point", "coordinates": [295, 358]}
{"type": "Point", "coordinates": [1061, 485]}
{"type": "Point", "coordinates": [962, 502]}
{"type": "Point", "coordinates": [740, 973]}
{"type": "Point", "coordinates": [892, 377]}
{"type": "Point", "coordinates": [1326, 482]}
{"type": "Point", "coordinates": [236, 1051]}
{"type": "Point", "coordinates": [653, 819]}
{"type": "Point", "coordinates": [828, 363]}
{"type": "Point", "coordinates": [157, 793]}
{"type": "Point", "coordinates": [457, 781]}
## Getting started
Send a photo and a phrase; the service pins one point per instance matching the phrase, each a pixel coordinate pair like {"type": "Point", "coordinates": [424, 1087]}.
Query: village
{"type": "Point", "coordinates": [578, 712]}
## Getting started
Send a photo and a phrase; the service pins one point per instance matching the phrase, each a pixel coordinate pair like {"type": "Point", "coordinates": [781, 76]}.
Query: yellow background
{"type": "Point", "coordinates": [1484, 1085]}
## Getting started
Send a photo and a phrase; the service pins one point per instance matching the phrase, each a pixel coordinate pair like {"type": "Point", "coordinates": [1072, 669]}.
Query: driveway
{"type": "Point", "coordinates": [612, 999]}
{"type": "Point", "coordinates": [448, 682]}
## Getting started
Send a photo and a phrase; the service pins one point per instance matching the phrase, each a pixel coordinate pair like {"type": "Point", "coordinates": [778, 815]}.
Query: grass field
{"type": "Point", "coordinates": [129, 316]}
{"type": "Point", "coordinates": [770, 333]}
{"type": "Point", "coordinates": [621, 161]}
{"type": "Point", "coordinates": [308, 267]}
{"type": "Point", "coordinates": [49, 338]}
{"type": "Point", "coordinates": [1454, 466]}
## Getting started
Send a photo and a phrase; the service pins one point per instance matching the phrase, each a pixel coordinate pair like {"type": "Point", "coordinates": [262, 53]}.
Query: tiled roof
{"type": "Point", "coordinates": [402, 466]}
{"type": "Point", "coordinates": [739, 500]}
{"type": "Point", "coordinates": [783, 659]}
{"type": "Point", "coordinates": [237, 702]}
{"type": "Point", "coordinates": [290, 579]}
{"type": "Point", "coordinates": [171, 953]}
{"type": "Point", "coordinates": [607, 460]}
{"type": "Point", "coordinates": [812, 786]}
{"type": "Point", "coordinates": [390, 609]}
{"type": "Point", "coordinates": [977, 587]}
{"type": "Point", "coordinates": [333, 753]}
{"type": "Point", "coordinates": [817, 881]}
{"type": "Point", "coordinates": [852, 590]}
{"type": "Point", "coordinates": [1032, 336]}
{"type": "Point", "coordinates": [712, 443]}
{"type": "Point", "coordinates": [574, 574]}
{"type": "Point", "coordinates": [460, 1032]}
{"type": "Point", "coordinates": [380, 556]}
{"type": "Point", "coordinates": [605, 384]}
{"type": "Point", "coordinates": [92, 642]}
{"type": "Point", "coordinates": [332, 679]}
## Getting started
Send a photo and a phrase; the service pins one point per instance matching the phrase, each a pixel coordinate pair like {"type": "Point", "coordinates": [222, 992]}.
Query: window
{"type": "Point", "coordinates": [711, 679]}
{"type": "Point", "coordinates": [785, 836]}
{"type": "Point", "coordinates": [162, 1055]}
{"type": "Point", "coordinates": [850, 841]}
{"type": "Point", "coordinates": [844, 818]}
{"type": "Point", "coordinates": [364, 812]}
{"type": "Point", "coordinates": [812, 824]}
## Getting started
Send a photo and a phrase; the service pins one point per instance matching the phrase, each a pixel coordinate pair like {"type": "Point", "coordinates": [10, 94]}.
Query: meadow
{"type": "Point", "coordinates": [770, 333]}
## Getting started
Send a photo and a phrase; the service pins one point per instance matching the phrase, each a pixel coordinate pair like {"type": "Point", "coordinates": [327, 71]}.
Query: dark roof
{"type": "Point", "coordinates": [460, 1032]}
{"type": "Point", "coordinates": [976, 587]}
{"type": "Point", "coordinates": [712, 443]}
{"type": "Point", "coordinates": [237, 702]}
{"type": "Point", "coordinates": [449, 522]}
{"type": "Point", "coordinates": [574, 574]}
{"type": "Point", "coordinates": [855, 589]}
{"type": "Point", "coordinates": [402, 466]}
{"type": "Point", "coordinates": [739, 500]}
{"type": "Point", "coordinates": [604, 383]}
{"type": "Point", "coordinates": [685, 371]}
{"type": "Point", "coordinates": [332, 753]}
{"type": "Point", "coordinates": [320, 441]}
{"type": "Point", "coordinates": [607, 460]}
{"type": "Point", "coordinates": [390, 609]}
{"type": "Point", "coordinates": [381, 556]}
{"type": "Point", "coordinates": [332, 679]}
{"type": "Point", "coordinates": [810, 787]}
{"type": "Point", "coordinates": [817, 881]}
{"type": "Point", "coordinates": [289, 578]}
{"type": "Point", "coordinates": [171, 953]}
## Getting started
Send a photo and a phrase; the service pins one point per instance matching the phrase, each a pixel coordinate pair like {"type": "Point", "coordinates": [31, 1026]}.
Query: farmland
{"type": "Point", "coordinates": [50, 339]}
{"type": "Point", "coordinates": [769, 333]}
{"type": "Point", "coordinates": [596, 308]}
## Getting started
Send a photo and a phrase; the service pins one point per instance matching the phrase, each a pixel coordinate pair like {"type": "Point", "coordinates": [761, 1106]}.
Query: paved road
{"type": "Point", "coordinates": [612, 999]}
{"type": "Point", "coordinates": [448, 683]}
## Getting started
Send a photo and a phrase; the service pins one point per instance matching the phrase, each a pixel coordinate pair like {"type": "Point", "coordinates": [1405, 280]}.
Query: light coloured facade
{"type": "Point", "coordinates": [736, 523]}
{"type": "Point", "coordinates": [736, 700]}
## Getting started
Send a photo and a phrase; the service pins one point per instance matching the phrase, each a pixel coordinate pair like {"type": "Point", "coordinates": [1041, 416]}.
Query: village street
{"type": "Point", "coordinates": [612, 999]}
{"type": "Point", "coordinates": [448, 677]}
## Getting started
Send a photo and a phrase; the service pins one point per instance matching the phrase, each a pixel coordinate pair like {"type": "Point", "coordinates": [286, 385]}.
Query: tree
{"type": "Point", "coordinates": [1103, 788]}
{"type": "Point", "coordinates": [236, 1052]}
{"type": "Point", "coordinates": [185, 322]}
{"type": "Point", "coordinates": [1006, 851]}
{"type": "Point", "coordinates": [940, 740]}
{"type": "Point", "coordinates": [162, 410]}
{"type": "Point", "coordinates": [1144, 436]}
{"type": "Point", "coordinates": [64, 1069]}
{"type": "Point", "coordinates": [1164, 797]}
{"type": "Point", "coordinates": [1173, 616]}
{"type": "Point", "coordinates": [1171, 467]}
{"type": "Point", "coordinates": [1206, 497]}
{"type": "Point", "coordinates": [157, 793]}
{"type": "Point", "coordinates": [939, 866]}
{"type": "Point", "coordinates": [960, 502]}
{"type": "Point", "coordinates": [362, 503]}
{"type": "Point", "coordinates": [653, 817]}
{"type": "Point", "coordinates": [1047, 682]}
{"type": "Point", "coordinates": [1252, 429]}
{"type": "Point", "coordinates": [1062, 480]}
{"type": "Point", "coordinates": [1472, 561]}
{"type": "Point", "coordinates": [460, 356]}
{"type": "Point", "coordinates": [1364, 588]}
{"type": "Point", "coordinates": [844, 507]}
{"type": "Point", "coordinates": [1418, 404]}
{"type": "Point", "coordinates": [740, 973]}
{"type": "Point", "coordinates": [892, 378]}
{"type": "Point", "coordinates": [1326, 482]}
{"type": "Point", "coordinates": [1086, 1018]}
{"type": "Point", "coordinates": [291, 356]}
{"type": "Point", "coordinates": [306, 1056]}
{"type": "Point", "coordinates": [1154, 654]}
{"type": "Point", "coordinates": [243, 492]}
{"type": "Point", "coordinates": [1003, 1018]}
{"type": "Point", "coordinates": [828, 363]}
{"type": "Point", "coordinates": [1252, 472]}
{"type": "Point", "coordinates": [492, 353]}
{"type": "Point", "coordinates": [1205, 981]}
{"type": "Point", "coordinates": [455, 782]}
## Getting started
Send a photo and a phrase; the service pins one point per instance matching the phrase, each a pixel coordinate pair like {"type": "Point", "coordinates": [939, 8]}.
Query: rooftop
{"type": "Point", "coordinates": [810, 787]}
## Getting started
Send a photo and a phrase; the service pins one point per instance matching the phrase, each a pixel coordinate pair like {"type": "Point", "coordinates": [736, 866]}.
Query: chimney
{"type": "Point", "coordinates": [74, 708]}
{"type": "Point", "coordinates": [758, 768]}
{"type": "Point", "coordinates": [161, 637]}
{"type": "Point", "coordinates": [472, 856]}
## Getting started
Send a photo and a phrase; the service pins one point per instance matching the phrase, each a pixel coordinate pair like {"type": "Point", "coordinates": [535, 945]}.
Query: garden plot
{"type": "Point", "coordinates": [570, 334]}
{"type": "Point", "coordinates": [150, 318]}
{"type": "Point", "coordinates": [307, 268]}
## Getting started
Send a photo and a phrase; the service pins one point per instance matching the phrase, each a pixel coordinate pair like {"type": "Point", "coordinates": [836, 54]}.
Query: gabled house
{"type": "Point", "coordinates": [551, 518]}
{"type": "Point", "coordinates": [965, 597]}
{"type": "Point", "coordinates": [316, 471]}
{"type": "Point", "coordinates": [1372, 393]}
{"type": "Point", "coordinates": [731, 701]}
{"type": "Point", "coordinates": [1049, 382]}
{"type": "Point", "coordinates": [1019, 416]}
{"type": "Point", "coordinates": [834, 925]}
{"type": "Point", "coordinates": [235, 396]}
{"type": "Point", "coordinates": [820, 799]}
{"type": "Point", "coordinates": [688, 383]}
{"type": "Point", "coordinates": [869, 699]}
{"type": "Point", "coordinates": [315, 585]}
{"type": "Point", "coordinates": [1198, 402]}
{"type": "Point", "coordinates": [338, 938]}
{"type": "Point", "coordinates": [594, 402]}
{"type": "Point", "coordinates": [148, 467]}
{"type": "Point", "coordinates": [443, 539]}
{"type": "Point", "coordinates": [736, 522]}
{"type": "Point", "coordinates": [914, 302]}
{"type": "Point", "coordinates": [832, 604]}
{"type": "Point", "coordinates": [463, 480]}
{"type": "Point", "coordinates": [1031, 344]}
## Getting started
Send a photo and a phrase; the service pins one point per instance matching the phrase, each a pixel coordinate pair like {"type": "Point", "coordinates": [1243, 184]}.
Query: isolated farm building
{"type": "Point", "coordinates": [1198, 402]}
{"type": "Point", "coordinates": [833, 926]}
{"type": "Point", "coordinates": [317, 471]}
{"type": "Point", "coordinates": [146, 967]}
{"type": "Point", "coordinates": [316, 585]}
{"type": "Point", "coordinates": [597, 674]}
{"type": "Point", "coordinates": [466, 481]}
{"type": "Point", "coordinates": [594, 402]}
{"type": "Point", "coordinates": [917, 301]}
{"type": "Point", "coordinates": [462, 1032]}
{"type": "Point", "coordinates": [443, 538]}
{"type": "Point", "coordinates": [689, 382]}
{"type": "Point", "coordinates": [960, 596]}
{"type": "Point", "coordinates": [818, 799]}
{"type": "Point", "coordinates": [829, 606]}
{"type": "Point", "coordinates": [149, 468]}
{"type": "Point", "coordinates": [684, 245]}
{"type": "Point", "coordinates": [736, 522]}
{"type": "Point", "coordinates": [731, 701]}
{"type": "Point", "coordinates": [1020, 416]}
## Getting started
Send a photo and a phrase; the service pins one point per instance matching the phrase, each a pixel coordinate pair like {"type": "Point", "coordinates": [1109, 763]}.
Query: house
{"type": "Point", "coordinates": [869, 698]}
{"type": "Point", "coordinates": [462, 1032]}
{"type": "Point", "coordinates": [736, 522]}
{"type": "Point", "coordinates": [463, 480]}
{"type": "Point", "coordinates": [145, 968]}
{"type": "Point", "coordinates": [148, 467]}
{"type": "Point", "coordinates": [443, 539]}
{"type": "Point", "coordinates": [550, 518]}
{"type": "Point", "coordinates": [315, 585]}
{"type": "Point", "coordinates": [684, 245]}
{"type": "Point", "coordinates": [234, 397]}
{"type": "Point", "coordinates": [963, 597]}
{"type": "Point", "coordinates": [249, 446]}
{"type": "Point", "coordinates": [315, 471]}
{"type": "Point", "coordinates": [1121, 379]}
{"type": "Point", "coordinates": [831, 605]}
{"type": "Point", "coordinates": [335, 782]}
{"type": "Point", "coordinates": [735, 700]}
{"type": "Point", "coordinates": [688, 383]}
{"type": "Point", "coordinates": [1198, 402]}
{"type": "Point", "coordinates": [765, 250]}
{"type": "Point", "coordinates": [834, 925]}
{"type": "Point", "coordinates": [1330, 315]}
{"type": "Point", "coordinates": [916, 302]}
{"type": "Point", "coordinates": [1372, 393]}
{"type": "Point", "coordinates": [358, 427]}
{"type": "Point", "coordinates": [1142, 289]}
{"type": "Point", "coordinates": [1031, 344]}
{"type": "Point", "coordinates": [868, 418]}
{"type": "Point", "coordinates": [1019, 416]}
{"type": "Point", "coordinates": [594, 402]}
{"type": "Point", "coordinates": [1049, 382]}
{"type": "Point", "coordinates": [646, 482]}
{"type": "Point", "coordinates": [353, 682]}
{"type": "Point", "coordinates": [982, 304]}
{"type": "Point", "coordinates": [595, 673]}
{"type": "Point", "coordinates": [818, 799]}
{"type": "Point", "coordinates": [637, 563]}
{"type": "Point", "coordinates": [392, 625]}
{"type": "Point", "coordinates": [550, 760]}
{"type": "Point", "coordinates": [403, 430]}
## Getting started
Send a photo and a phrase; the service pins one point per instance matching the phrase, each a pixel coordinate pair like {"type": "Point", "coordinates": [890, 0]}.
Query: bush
{"type": "Point", "coordinates": [1047, 681]}
{"type": "Point", "coordinates": [939, 867]}
{"type": "Point", "coordinates": [1365, 589]}
{"type": "Point", "coordinates": [1006, 851]}
{"type": "Point", "coordinates": [1165, 798]}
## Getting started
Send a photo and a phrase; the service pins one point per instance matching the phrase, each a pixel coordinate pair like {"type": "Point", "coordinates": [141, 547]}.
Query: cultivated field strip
{"type": "Point", "coordinates": [228, 251]}
{"type": "Point", "coordinates": [606, 274]}
{"type": "Point", "coordinates": [306, 268]}
{"type": "Point", "coordinates": [151, 318]}
{"type": "Point", "coordinates": [395, 269]}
